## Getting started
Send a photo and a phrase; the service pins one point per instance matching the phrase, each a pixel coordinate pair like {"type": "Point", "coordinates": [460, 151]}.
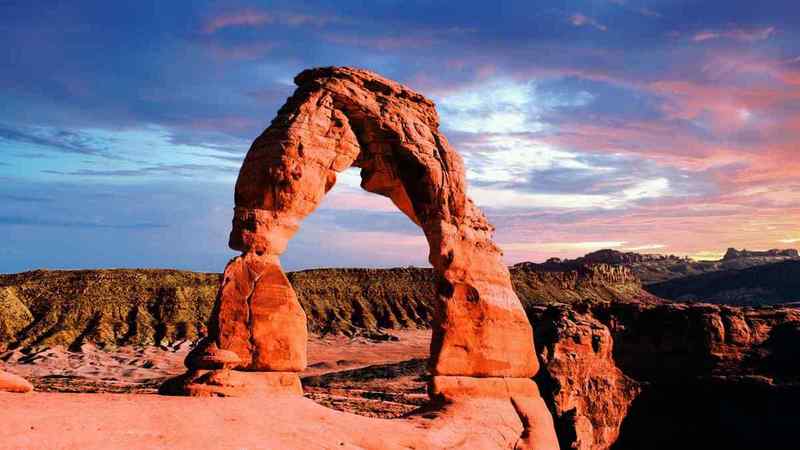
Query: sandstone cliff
{"type": "Point", "coordinates": [711, 376]}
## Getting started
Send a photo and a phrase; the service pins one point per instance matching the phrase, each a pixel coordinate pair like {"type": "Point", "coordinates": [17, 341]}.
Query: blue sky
{"type": "Point", "coordinates": [661, 126]}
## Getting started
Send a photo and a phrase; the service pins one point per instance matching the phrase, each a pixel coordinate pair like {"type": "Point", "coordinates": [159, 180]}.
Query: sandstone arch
{"type": "Point", "coordinates": [338, 118]}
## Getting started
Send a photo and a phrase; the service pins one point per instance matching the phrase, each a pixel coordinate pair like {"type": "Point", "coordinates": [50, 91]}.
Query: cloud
{"type": "Point", "coordinates": [789, 240]}
{"type": "Point", "coordinates": [580, 20]}
{"type": "Point", "coordinates": [61, 140]}
{"type": "Point", "coordinates": [42, 222]}
{"type": "Point", "coordinates": [640, 248]}
{"type": "Point", "coordinates": [738, 34]}
{"type": "Point", "coordinates": [21, 198]}
{"type": "Point", "coordinates": [707, 255]}
{"type": "Point", "coordinates": [182, 170]}
{"type": "Point", "coordinates": [256, 18]}
{"type": "Point", "coordinates": [558, 247]}
{"type": "Point", "coordinates": [244, 18]}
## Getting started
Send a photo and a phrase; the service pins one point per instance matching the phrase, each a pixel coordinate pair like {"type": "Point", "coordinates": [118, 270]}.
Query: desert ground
{"type": "Point", "coordinates": [93, 399]}
{"type": "Point", "coordinates": [376, 376]}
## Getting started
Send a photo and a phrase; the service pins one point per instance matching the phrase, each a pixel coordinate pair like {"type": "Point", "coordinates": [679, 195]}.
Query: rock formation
{"type": "Point", "coordinates": [737, 368]}
{"type": "Point", "coordinates": [587, 393]}
{"type": "Point", "coordinates": [13, 383]}
{"type": "Point", "coordinates": [338, 118]}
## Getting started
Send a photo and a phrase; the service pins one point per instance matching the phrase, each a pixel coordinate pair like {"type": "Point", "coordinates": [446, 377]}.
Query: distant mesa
{"type": "Point", "coordinates": [732, 253]}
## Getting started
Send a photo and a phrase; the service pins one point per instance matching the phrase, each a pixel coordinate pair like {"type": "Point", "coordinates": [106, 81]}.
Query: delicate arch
{"type": "Point", "coordinates": [343, 117]}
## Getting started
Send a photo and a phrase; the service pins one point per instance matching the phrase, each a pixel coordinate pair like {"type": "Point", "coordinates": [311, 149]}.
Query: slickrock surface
{"type": "Point", "coordinates": [102, 421]}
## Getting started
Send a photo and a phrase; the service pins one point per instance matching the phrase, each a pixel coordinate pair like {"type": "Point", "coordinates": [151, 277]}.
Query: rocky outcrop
{"type": "Point", "coordinates": [588, 394]}
{"type": "Point", "coordinates": [712, 376]}
{"type": "Point", "coordinates": [615, 257]}
{"type": "Point", "coordinates": [673, 341]}
{"type": "Point", "coordinates": [664, 375]}
{"type": "Point", "coordinates": [13, 383]}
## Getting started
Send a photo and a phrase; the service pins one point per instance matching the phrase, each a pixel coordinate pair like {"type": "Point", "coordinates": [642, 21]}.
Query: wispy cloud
{"type": "Point", "coordinates": [243, 18]}
{"type": "Point", "coordinates": [580, 20]}
{"type": "Point", "coordinates": [61, 140]}
{"type": "Point", "coordinates": [561, 246]}
{"type": "Point", "coordinates": [738, 34]}
{"type": "Point", "coordinates": [42, 222]}
{"type": "Point", "coordinates": [258, 18]}
{"type": "Point", "coordinates": [639, 248]}
{"type": "Point", "coordinates": [182, 170]}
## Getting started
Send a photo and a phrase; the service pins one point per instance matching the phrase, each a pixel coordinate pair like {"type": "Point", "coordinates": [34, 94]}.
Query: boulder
{"type": "Point", "coordinates": [13, 383]}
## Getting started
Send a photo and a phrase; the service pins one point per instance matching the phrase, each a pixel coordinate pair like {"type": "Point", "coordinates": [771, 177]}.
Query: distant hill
{"type": "Point", "coordinates": [659, 268]}
{"type": "Point", "coordinates": [130, 306]}
{"type": "Point", "coordinates": [766, 284]}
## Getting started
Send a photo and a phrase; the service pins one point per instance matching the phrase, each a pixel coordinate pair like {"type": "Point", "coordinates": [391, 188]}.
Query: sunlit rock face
{"type": "Point", "coordinates": [482, 345]}
{"type": "Point", "coordinates": [339, 118]}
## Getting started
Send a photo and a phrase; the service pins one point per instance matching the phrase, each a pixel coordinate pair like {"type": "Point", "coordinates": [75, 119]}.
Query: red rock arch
{"type": "Point", "coordinates": [338, 118]}
{"type": "Point", "coordinates": [482, 353]}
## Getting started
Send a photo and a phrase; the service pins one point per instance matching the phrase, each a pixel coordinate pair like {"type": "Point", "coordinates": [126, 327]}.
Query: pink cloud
{"type": "Point", "coordinates": [739, 34]}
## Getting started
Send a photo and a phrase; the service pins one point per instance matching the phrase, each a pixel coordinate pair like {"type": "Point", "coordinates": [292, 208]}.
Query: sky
{"type": "Point", "coordinates": [655, 126]}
